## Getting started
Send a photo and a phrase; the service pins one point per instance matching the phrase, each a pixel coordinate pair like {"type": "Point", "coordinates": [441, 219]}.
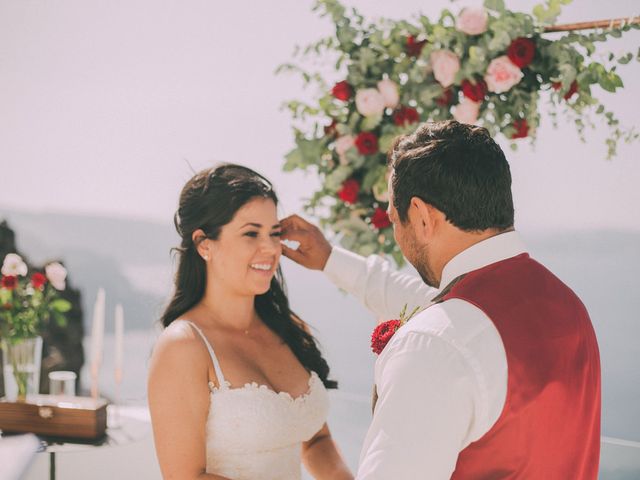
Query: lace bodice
{"type": "Point", "coordinates": [255, 432]}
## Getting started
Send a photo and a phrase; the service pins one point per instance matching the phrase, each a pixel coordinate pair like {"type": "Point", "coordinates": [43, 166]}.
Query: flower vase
{"type": "Point", "coordinates": [21, 367]}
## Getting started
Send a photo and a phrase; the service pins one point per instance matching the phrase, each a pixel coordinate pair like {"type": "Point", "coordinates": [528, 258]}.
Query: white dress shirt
{"type": "Point", "coordinates": [442, 379]}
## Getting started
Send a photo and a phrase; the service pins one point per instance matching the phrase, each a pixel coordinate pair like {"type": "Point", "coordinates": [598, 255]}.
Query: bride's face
{"type": "Point", "coordinates": [246, 254]}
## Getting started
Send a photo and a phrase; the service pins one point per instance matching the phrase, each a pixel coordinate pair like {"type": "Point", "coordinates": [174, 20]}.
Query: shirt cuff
{"type": "Point", "coordinates": [344, 268]}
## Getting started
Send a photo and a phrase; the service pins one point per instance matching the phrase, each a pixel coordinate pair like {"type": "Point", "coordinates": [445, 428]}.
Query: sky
{"type": "Point", "coordinates": [106, 106]}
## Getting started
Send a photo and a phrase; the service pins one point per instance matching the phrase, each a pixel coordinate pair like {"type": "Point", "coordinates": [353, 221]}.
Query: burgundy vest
{"type": "Point", "coordinates": [549, 427]}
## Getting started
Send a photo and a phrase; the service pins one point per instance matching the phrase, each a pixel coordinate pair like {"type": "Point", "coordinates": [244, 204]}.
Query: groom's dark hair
{"type": "Point", "coordinates": [459, 169]}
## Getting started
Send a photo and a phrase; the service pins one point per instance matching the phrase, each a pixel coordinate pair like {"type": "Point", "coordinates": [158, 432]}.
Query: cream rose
{"type": "Point", "coordinates": [445, 65]}
{"type": "Point", "coordinates": [369, 102]}
{"type": "Point", "coordinates": [14, 266]}
{"type": "Point", "coordinates": [502, 74]}
{"type": "Point", "coordinates": [467, 111]}
{"type": "Point", "coordinates": [389, 91]}
{"type": "Point", "coordinates": [56, 274]}
{"type": "Point", "coordinates": [342, 145]}
{"type": "Point", "coordinates": [472, 20]}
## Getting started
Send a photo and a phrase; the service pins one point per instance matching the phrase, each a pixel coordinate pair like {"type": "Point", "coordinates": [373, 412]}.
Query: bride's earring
{"type": "Point", "coordinates": [206, 258]}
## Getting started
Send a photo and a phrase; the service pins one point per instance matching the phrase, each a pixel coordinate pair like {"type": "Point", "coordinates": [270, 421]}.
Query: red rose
{"type": "Point", "coordinates": [349, 191]}
{"type": "Point", "coordinates": [522, 128]}
{"type": "Point", "coordinates": [380, 219]}
{"type": "Point", "coordinates": [445, 99]}
{"type": "Point", "coordinates": [342, 91]}
{"type": "Point", "coordinates": [367, 143]}
{"type": "Point", "coordinates": [573, 89]}
{"type": "Point", "coordinates": [405, 116]}
{"type": "Point", "coordinates": [9, 282]}
{"type": "Point", "coordinates": [382, 334]}
{"type": "Point", "coordinates": [414, 48]}
{"type": "Point", "coordinates": [474, 91]}
{"type": "Point", "coordinates": [521, 51]}
{"type": "Point", "coordinates": [38, 280]}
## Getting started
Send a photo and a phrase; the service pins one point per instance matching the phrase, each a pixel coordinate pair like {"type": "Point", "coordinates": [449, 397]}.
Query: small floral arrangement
{"type": "Point", "coordinates": [483, 65]}
{"type": "Point", "coordinates": [28, 302]}
{"type": "Point", "coordinates": [383, 332]}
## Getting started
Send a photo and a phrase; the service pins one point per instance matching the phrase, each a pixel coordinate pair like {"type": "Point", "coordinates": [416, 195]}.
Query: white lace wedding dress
{"type": "Point", "coordinates": [254, 432]}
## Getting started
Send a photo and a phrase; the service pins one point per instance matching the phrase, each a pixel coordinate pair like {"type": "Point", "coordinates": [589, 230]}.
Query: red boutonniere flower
{"type": "Point", "coordinates": [383, 332]}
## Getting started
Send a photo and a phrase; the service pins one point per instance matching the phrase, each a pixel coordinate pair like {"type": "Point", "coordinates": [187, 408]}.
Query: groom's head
{"type": "Point", "coordinates": [450, 188]}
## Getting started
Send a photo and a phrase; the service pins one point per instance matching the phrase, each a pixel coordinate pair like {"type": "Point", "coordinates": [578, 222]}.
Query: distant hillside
{"type": "Point", "coordinates": [101, 252]}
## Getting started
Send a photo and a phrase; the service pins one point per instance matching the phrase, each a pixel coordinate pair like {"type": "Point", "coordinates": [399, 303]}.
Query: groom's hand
{"type": "Point", "coordinates": [314, 249]}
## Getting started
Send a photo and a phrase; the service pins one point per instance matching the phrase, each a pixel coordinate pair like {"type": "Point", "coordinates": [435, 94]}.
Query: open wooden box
{"type": "Point", "coordinates": [56, 416]}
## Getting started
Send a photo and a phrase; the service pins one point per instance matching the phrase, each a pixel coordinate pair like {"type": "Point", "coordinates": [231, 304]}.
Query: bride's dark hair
{"type": "Point", "coordinates": [209, 201]}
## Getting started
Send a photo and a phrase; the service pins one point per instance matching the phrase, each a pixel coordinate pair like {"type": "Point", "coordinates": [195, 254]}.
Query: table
{"type": "Point", "coordinates": [125, 425]}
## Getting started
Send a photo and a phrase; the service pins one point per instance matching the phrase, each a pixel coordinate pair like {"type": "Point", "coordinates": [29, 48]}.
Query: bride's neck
{"type": "Point", "coordinates": [228, 310]}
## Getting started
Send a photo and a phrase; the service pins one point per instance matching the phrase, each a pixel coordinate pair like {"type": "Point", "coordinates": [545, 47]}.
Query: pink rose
{"type": "Point", "coordinates": [56, 274]}
{"type": "Point", "coordinates": [369, 102]}
{"type": "Point", "coordinates": [445, 65]}
{"type": "Point", "coordinates": [389, 91]}
{"type": "Point", "coordinates": [343, 144]}
{"type": "Point", "coordinates": [502, 74]}
{"type": "Point", "coordinates": [466, 111]}
{"type": "Point", "coordinates": [472, 20]}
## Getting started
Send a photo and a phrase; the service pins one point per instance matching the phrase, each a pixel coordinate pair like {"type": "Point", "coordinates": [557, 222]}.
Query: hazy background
{"type": "Point", "coordinates": [106, 105]}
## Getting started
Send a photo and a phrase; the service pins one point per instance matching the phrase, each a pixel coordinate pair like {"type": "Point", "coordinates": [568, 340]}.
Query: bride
{"type": "Point", "coordinates": [237, 385]}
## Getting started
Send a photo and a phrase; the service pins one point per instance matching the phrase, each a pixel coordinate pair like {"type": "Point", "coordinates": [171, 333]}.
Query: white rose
{"type": "Point", "coordinates": [389, 91]}
{"type": "Point", "coordinates": [56, 274]}
{"type": "Point", "coordinates": [466, 111]}
{"type": "Point", "coordinates": [369, 102]}
{"type": "Point", "coordinates": [472, 20]}
{"type": "Point", "coordinates": [445, 65]}
{"type": "Point", "coordinates": [343, 144]}
{"type": "Point", "coordinates": [14, 266]}
{"type": "Point", "coordinates": [502, 74]}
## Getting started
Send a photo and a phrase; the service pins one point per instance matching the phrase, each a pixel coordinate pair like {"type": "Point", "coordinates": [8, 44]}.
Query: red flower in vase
{"type": "Point", "coordinates": [38, 280]}
{"type": "Point", "coordinates": [9, 282]}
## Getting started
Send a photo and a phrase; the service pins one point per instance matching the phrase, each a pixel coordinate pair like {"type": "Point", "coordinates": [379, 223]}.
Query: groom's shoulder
{"type": "Point", "coordinates": [455, 320]}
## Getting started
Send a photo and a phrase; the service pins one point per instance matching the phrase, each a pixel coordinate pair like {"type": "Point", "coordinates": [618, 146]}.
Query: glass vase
{"type": "Point", "coordinates": [21, 367]}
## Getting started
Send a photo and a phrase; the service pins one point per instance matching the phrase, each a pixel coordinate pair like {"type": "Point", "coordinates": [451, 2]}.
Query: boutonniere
{"type": "Point", "coordinates": [383, 332]}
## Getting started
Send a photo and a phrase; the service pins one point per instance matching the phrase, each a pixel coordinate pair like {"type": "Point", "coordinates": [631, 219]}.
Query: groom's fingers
{"type": "Point", "coordinates": [296, 222]}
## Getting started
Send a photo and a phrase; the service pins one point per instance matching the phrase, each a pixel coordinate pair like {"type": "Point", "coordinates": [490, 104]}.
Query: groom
{"type": "Point", "coordinates": [500, 376]}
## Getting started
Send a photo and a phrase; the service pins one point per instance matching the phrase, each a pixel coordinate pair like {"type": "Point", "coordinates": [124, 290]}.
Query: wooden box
{"type": "Point", "coordinates": [52, 415]}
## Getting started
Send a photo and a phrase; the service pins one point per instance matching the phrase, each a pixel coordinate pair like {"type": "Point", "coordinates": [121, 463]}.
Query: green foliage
{"type": "Point", "coordinates": [25, 309]}
{"type": "Point", "coordinates": [562, 75]}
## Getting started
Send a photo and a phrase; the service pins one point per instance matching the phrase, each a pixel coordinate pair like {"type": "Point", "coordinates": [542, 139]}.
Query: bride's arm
{"type": "Point", "coordinates": [322, 459]}
{"type": "Point", "coordinates": [179, 404]}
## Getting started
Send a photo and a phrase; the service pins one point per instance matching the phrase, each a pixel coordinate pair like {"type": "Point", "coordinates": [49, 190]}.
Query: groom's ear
{"type": "Point", "coordinates": [424, 218]}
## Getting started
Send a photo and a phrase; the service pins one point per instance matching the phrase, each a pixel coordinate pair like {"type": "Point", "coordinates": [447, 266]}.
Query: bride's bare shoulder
{"type": "Point", "coordinates": [179, 339]}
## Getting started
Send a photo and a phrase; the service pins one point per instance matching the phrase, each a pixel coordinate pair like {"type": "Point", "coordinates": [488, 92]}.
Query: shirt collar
{"type": "Point", "coordinates": [492, 250]}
